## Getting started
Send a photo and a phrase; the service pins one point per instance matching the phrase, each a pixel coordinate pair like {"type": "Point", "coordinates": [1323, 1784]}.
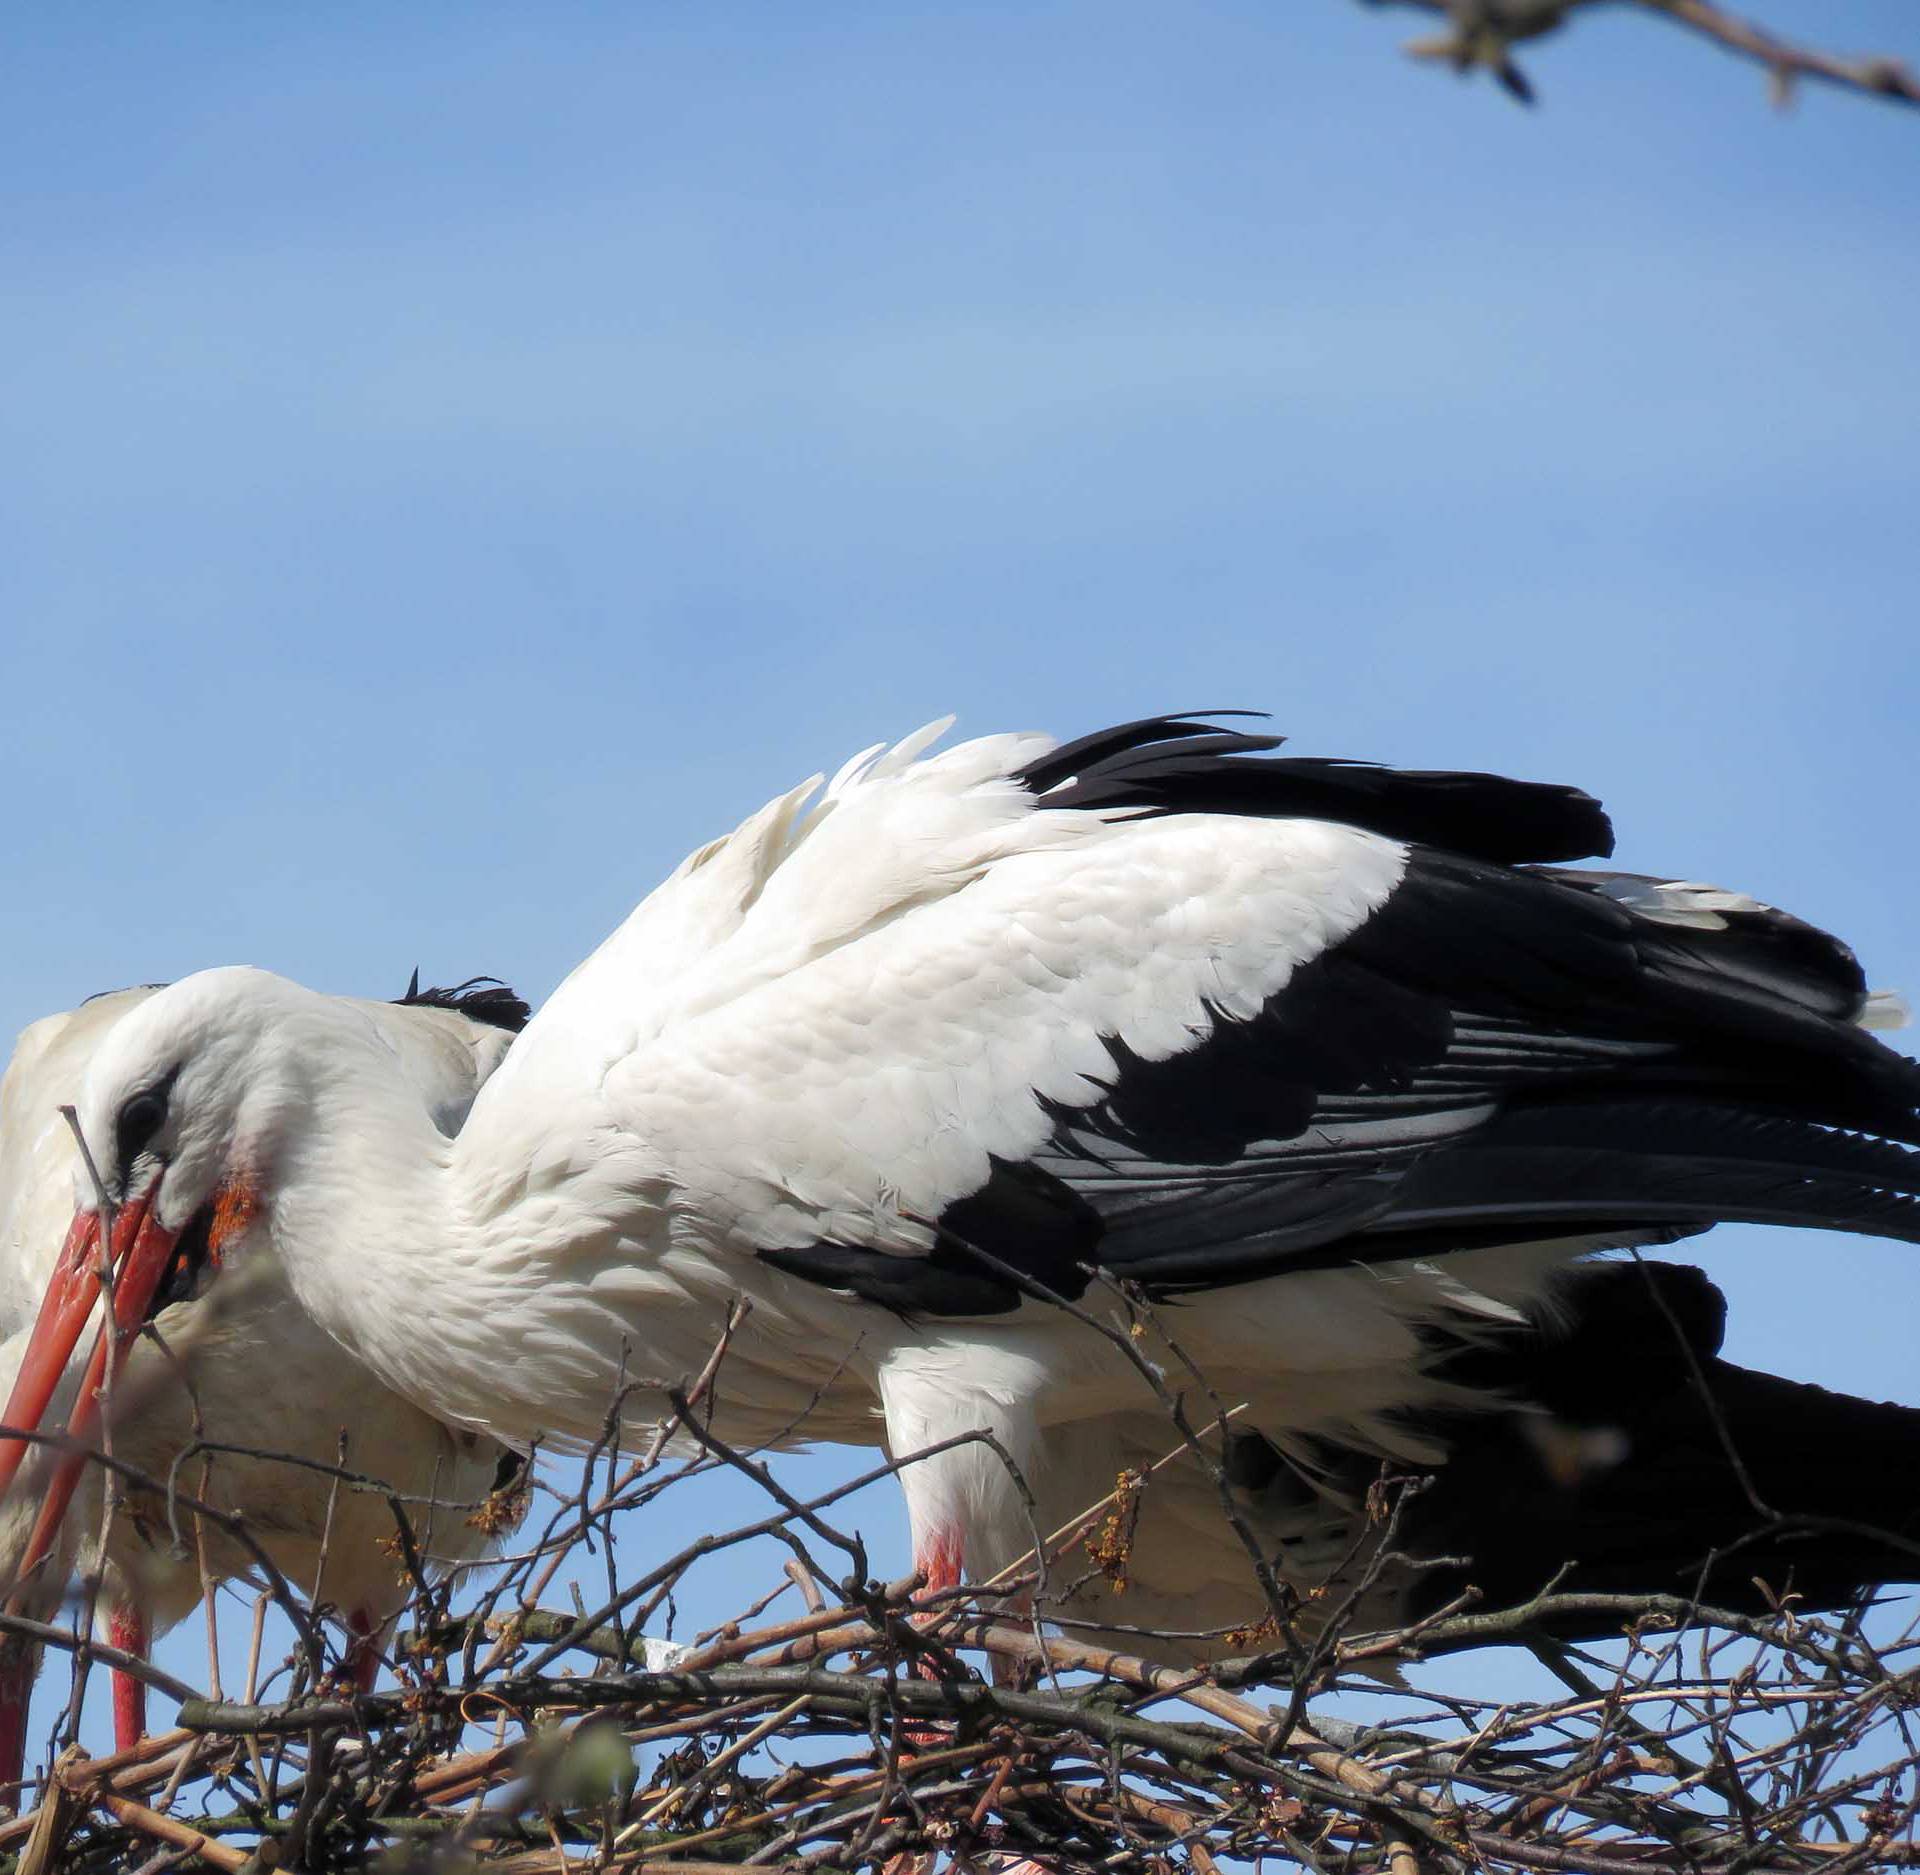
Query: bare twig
{"type": "Point", "coordinates": [1480, 35]}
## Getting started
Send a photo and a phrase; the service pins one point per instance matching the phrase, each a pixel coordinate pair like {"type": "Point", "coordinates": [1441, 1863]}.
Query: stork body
{"type": "Point", "coordinates": [260, 1372]}
{"type": "Point", "coordinates": [1315, 1061]}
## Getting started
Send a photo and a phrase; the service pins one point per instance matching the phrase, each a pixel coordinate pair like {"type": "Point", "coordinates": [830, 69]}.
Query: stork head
{"type": "Point", "coordinates": [184, 1102]}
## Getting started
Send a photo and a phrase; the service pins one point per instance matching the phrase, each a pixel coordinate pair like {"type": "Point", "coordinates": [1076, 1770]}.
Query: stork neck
{"type": "Point", "coordinates": [508, 1282]}
{"type": "Point", "coordinates": [362, 1212]}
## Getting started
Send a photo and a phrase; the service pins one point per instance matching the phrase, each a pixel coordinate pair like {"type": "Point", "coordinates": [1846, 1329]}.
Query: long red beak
{"type": "Point", "coordinates": [141, 1250]}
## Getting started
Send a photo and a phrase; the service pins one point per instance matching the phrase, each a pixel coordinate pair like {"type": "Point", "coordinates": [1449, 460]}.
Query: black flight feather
{"type": "Point", "coordinates": [1170, 764]}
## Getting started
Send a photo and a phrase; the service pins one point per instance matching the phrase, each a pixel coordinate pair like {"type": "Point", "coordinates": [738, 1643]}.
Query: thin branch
{"type": "Point", "coordinates": [1481, 34]}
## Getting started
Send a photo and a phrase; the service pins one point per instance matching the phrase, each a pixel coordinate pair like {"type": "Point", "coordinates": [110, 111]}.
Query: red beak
{"type": "Point", "coordinates": [141, 1250]}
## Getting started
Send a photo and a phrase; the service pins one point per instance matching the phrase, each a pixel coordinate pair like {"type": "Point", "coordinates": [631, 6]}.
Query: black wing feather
{"type": "Point", "coordinates": [1500, 1053]}
{"type": "Point", "coordinates": [1171, 764]}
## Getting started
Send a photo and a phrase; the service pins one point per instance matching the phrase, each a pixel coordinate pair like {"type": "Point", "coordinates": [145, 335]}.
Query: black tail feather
{"type": "Point", "coordinates": [1652, 1466]}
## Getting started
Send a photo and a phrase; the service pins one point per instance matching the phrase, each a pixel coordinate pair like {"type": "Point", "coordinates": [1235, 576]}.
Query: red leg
{"type": "Point", "coordinates": [16, 1689]}
{"type": "Point", "coordinates": [941, 1561]}
{"type": "Point", "coordinates": [127, 1630]}
{"type": "Point", "coordinates": [363, 1657]}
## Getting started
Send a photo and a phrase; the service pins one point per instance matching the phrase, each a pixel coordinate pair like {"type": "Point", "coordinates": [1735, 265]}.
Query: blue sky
{"type": "Point", "coordinates": [456, 459]}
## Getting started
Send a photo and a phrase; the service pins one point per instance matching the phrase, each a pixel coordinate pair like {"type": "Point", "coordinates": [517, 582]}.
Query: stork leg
{"type": "Point", "coordinates": [16, 1689]}
{"type": "Point", "coordinates": [940, 1560]}
{"type": "Point", "coordinates": [127, 1630]}
{"type": "Point", "coordinates": [363, 1656]}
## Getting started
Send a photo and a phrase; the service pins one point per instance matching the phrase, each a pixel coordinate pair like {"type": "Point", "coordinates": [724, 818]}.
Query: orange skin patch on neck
{"type": "Point", "coordinates": [236, 1204]}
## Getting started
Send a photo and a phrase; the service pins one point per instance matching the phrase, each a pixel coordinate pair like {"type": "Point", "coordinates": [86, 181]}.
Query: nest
{"type": "Point", "coordinates": [845, 1722]}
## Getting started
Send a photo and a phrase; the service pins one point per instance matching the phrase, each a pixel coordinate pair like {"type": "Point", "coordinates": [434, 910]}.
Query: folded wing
{"type": "Point", "coordinates": [1165, 1004]}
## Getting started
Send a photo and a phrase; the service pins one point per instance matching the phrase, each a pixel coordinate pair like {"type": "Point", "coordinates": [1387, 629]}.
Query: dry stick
{"type": "Point", "coordinates": [133, 1764]}
{"type": "Point", "coordinates": [166, 1829]}
{"type": "Point", "coordinates": [1323, 1757]}
{"type": "Point", "coordinates": [719, 1762]}
{"type": "Point", "coordinates": [451, 1780]}
{"type": "Point", "coordinates": [478, 1804]}
{"type": "Point", "coordinates": [736, 1624]}
{"type": "Point", "coordinates": [851, 1547]}
{"type": "Point", "coordinates": [49, 1825]}
{"type": "Point", "coordinates": [809, 1589]}
{"type": "Point", "coordinates": [207, 1586]}
{"type": "Point", "coordinates": [640, 1466]}
{"type": "Point", "coordinates": [182, 1765]}
{"type": "Point", "coordinates": [234, 1525]}
{"type": "Point", "coordinates": [198, 1429]}
{"type": "Point", "coordinates": [164, 1770]}
{"type": "Point", "coordinates": [162, 1860]}
{"type": "Point", "coordinates": [1682, 1613]}
{"type": "Point", "coordinates": [856, 1693]}
{"type": "Point", "coordinates": [73, 1641]}
{"type": "Point", "coordinates": [350, 1480]}
{"type": "Point", "coordinates": [1785, 63]}
{"type": "Point", "coordinates": [1170, 1682]}
{"type": "Point", "coordinates": [253, 1688]}
{"type": "Point", "coordinates": [207, 1582]}
{"type": "Point", "coordinates": [1280, 1602]}
{"type": "Point", "coordinates": [838, 1692]}
{"type": "Point", "coordinates": [1479, 36]}
{"type": "Point", "coordinates": [1306, 1673]}
{"type": "Point", "coordinates": [326, 1522]}
{"type": "Point", "coordinates": [1559, 1661]}
{"type": "Point", "coordinates": [944, 1758]}
{"type": "Point", "coordinates": [677, 1565]}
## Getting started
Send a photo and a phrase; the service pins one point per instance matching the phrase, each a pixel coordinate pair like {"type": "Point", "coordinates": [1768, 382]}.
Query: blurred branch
{"type": "Point", "coordinates": [1481, 34]}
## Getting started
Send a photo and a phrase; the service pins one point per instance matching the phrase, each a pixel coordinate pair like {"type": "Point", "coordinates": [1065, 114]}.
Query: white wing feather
{"type": "Point", "coordinates": [823, 1027]}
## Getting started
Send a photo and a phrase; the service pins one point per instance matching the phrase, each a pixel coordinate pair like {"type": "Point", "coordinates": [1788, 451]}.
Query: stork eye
{"type": "Point", "coordinates": [141, 1116]}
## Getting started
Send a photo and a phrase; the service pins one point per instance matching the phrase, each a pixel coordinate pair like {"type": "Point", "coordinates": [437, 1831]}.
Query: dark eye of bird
{"type": "Point", "coordinates": [141, 1116]}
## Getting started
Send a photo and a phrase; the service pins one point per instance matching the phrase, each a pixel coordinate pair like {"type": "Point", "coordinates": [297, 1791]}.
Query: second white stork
{"type": "Point", "coordinates": [950, 1066]}
{"type": "Point", "coordinates": [259, 1372]}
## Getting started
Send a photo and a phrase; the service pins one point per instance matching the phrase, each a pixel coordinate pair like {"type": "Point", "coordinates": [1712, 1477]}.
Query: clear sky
{"type": "Point", "coordinates": [454, 459]}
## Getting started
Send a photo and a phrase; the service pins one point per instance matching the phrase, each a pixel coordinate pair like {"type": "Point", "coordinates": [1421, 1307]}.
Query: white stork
{"type": "Point", "coordinates": [264, 1375]}
{"type": "Point", "coordinates": [1327, 1063]}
